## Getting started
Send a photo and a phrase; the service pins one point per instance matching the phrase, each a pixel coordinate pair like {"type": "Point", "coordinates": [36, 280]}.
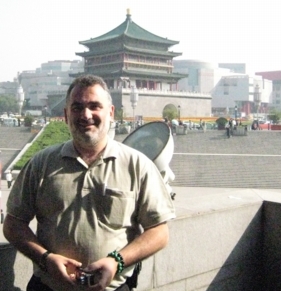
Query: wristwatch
{"type": "Point", "coordinates": [43, 261]}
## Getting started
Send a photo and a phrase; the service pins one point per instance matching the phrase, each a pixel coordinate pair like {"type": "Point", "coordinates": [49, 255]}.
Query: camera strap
{"type": "Point", "coordinates": [132, 281]}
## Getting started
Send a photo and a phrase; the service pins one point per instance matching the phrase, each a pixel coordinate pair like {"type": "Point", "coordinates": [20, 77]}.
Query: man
{"type": "Point", "coordinates": [9, 178]}
{"type": "Point", "coordinates": [90, 196]}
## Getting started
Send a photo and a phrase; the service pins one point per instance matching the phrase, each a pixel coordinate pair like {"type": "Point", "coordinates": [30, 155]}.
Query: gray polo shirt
{"type": "Point", "coordinates": [86, 212]}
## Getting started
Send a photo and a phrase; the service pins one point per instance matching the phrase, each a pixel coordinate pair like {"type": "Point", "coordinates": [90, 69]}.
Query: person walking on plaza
{"type": "Point", "coordinates": [101, 205]}
{"type": "Point", "coordinates": [227, 127]}
{"type": "Point", "coordinates": [2, 216]}
{"type": "Point", "coordinates": [9, 178]}
{"type": "Point", "coordinates": [204, 126]}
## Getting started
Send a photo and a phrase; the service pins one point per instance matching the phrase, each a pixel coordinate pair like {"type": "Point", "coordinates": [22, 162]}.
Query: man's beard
{"type": "Point", "coordinates": [88, 138]}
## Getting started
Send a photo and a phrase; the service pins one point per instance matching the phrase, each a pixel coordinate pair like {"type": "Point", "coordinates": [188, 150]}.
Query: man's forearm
{"type": "Point", "coordinates": [19, 234]}
{"type": "Point", "coordinates": [148, 243]}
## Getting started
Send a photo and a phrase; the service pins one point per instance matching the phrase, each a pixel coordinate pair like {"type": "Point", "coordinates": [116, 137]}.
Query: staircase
{"type": "Point", "coordinates": [200, 159]}
{"type": "Point", "coordinates": [212, 160]}
{"type": "Point", "coordinates": [12, 141]}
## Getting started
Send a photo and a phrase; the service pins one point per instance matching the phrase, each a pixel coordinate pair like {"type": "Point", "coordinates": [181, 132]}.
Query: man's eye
{"type": "Point", "coordinates": [76, 108]}
{"type": "Point", "coordinates": [94, 107]}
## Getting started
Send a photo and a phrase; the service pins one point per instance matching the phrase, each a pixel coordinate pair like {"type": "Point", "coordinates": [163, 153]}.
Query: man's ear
{"type": "Point", "coordinates": [112, 113]}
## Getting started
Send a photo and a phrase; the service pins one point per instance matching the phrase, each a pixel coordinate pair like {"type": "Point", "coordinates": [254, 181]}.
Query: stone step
{"type": "Point", "coordinates": [200, 159]}
{"type": "Point", "coordinates": [226, 171]}
{"type": "Point", "coordinates": [12, 141]}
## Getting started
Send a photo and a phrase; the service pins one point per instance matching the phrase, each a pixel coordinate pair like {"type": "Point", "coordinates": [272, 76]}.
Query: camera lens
{"type": "Point", "coordinates": [82, 280]}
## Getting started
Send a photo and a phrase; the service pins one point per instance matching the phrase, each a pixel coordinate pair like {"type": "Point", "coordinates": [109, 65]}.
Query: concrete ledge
{"type": "Point", "coordinates": [181, 129]}
{"type": "Point", "coordinates": [222, 239]}
{"type": "Point", "coordinates": [240, 131]}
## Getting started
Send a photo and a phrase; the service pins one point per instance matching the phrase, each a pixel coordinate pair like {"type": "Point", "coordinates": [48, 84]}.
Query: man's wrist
{"type": "Point", "coordinates": [43, 261]}
{"type": "Point", "coordinates": [119, 259]}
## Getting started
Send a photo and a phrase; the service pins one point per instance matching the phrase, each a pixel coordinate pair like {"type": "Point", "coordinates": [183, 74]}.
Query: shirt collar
{"type": "Point", "coordinates": [111, 149]}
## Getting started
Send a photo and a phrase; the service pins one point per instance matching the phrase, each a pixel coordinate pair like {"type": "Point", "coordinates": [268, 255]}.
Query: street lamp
{"type": "Point", "coordinates": [179, 112]}
{"type": "Point", "coordinates": [257, 99]}
{"type": "Point", "coordinates": [45, 114]}
{"type": "Point", "coordinates": [122, 112]}
{"type": "Point", "coordinates": [20, 98]}
{"type": "Point", "coordinates": [134, 97]}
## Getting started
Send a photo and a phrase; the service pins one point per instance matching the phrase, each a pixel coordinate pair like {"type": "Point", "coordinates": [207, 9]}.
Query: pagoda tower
{"type": "Point", "coordinates": [130, 56]}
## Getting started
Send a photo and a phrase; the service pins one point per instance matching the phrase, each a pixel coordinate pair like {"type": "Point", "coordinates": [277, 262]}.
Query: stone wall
{"type": "Point", "coordinates": [220, 240]}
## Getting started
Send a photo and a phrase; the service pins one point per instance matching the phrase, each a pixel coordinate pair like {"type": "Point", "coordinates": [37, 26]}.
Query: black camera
{"type": "Point", "coordinates": [88, 278]}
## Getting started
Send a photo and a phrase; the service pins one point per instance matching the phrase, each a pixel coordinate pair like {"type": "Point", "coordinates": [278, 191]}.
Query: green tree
{"type": "Point", "coordinates": [275, 116]}
{"type": "Point", "coordinates": [221, 122]}
{"type": "Point", "coordinates": [118, 114]}
{"type": "Point", "coordinates": [28, 120]}
{"type": "Point", "coordinates": [170, 112]}
{"type": "Point", "coordinates": [8, 103]}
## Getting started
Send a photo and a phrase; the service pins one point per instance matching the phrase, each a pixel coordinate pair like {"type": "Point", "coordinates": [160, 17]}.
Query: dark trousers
{"type": "Point", "coordinates": [228, 132]}
{"type": "Point", "coordinates": [35, 284]}
{"type": "Point", "coordinates": [9, 184]}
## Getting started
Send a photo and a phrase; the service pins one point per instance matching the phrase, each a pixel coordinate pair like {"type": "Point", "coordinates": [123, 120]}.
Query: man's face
{"type": "Point", "coordinates": [88, 114]}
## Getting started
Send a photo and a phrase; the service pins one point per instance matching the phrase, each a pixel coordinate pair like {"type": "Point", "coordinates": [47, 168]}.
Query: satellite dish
{"type": "Point", "coordinates": [154, 139]}
{"type": "Point", "coordinates": [111, 132]}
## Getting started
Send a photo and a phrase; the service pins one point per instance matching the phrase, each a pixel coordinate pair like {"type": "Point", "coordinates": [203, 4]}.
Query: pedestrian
{"type": "Point", "coordinates": [101, 205]}
{"type": "Point", "coordinates": [234, 124]}
{"type": "Point", "coordinates": [9, 178]}
{"type": "Point", "coordinates": [204, 126]}
{"type": "Point", "coordinates": [2, 216]}
{"type": "Point", "coordinates": [227, 127]}
{"type": "Point", "coordinates": [190, 125]}
{"type": "Point", "coordinates": [200, 124]}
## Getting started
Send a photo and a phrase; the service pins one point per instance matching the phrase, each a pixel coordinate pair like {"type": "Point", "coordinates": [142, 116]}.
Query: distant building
{"type": "Point", "coordinates": [51, 78]}
{"type": "Point", "coordinates": [8, 88]}
{"type": "Point", "coordinates": [239, 90]}
{"type": "Point", "coordinates": [275, 77]}
{"type": "Point", "coordinates": [239, 68]}
{"type": "Point", "coordinates": [228, 85]}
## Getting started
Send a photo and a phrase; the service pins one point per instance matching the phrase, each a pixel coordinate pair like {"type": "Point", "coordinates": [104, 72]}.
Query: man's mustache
{"type": "Point", "coordinates": [89, 121]}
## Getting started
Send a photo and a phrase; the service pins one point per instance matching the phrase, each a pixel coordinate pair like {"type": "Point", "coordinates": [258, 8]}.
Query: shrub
{"type": "Point", "coordinates": [221, 122]}
{"type": "Point", "coordinates": [28, 120]}
{"type": "Point", "coordinates": [55, 132]}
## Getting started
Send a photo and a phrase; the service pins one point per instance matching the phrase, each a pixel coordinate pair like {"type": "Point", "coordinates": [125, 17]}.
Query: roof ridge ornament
{"type": "Point", "coordinates": [129, 14]}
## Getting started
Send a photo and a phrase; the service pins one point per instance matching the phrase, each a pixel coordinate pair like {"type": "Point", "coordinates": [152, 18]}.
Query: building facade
{"type": "Point", "coordinates": [231, 89]}
{"type": "Point", "coordinates": [275, 77]}
{"type": "Point", "coordinates": [52, 77]}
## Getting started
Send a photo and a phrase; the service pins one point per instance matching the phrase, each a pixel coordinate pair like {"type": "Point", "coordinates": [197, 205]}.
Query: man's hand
{"type": "Point", "coordinates": [107, 268]}
{"type": "Point", "coordinates": [62, 268]}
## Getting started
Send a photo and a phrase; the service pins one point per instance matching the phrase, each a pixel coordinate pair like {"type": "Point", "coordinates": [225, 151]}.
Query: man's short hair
{"type": "Point", "coordinates": [85, 81]}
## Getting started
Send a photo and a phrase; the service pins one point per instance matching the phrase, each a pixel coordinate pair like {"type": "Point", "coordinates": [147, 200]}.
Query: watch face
{"type": "Point", "coordinates": [150, 139]}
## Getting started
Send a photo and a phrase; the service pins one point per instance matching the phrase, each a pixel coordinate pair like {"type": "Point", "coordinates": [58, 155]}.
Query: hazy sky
{"type": "Point", "coordinates": [245, 31]}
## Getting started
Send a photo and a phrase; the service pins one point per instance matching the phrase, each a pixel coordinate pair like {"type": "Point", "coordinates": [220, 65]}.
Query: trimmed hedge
{"type": "Point", "coordinates": [55, 132]}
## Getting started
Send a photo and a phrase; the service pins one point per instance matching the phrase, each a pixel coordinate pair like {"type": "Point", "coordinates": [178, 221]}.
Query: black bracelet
{"type": "Point", "coordinates": [119, 259]}
{"type": "Point", "coordinates": [43, 261]}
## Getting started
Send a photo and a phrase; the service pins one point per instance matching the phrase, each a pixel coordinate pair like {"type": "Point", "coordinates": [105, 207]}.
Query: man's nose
{"type": "Point", "coordinates": [86, 113]}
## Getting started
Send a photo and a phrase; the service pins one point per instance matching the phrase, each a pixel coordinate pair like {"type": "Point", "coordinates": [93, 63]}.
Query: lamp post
{"type": "Point", "coordinates": [179, 112]}
{"type": "Point", "coordinates": [20, 98]}
{"type": "Point", "coordinates": [122, 112]}
{"type": "Point", "coordinates": [45, 114]}
{"type": "Point", "coordinates": [235, 111]}
{"type": "Point", "coordinates": [257, 99]}
{"type": "Point", "coordinates": [134, 97]}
